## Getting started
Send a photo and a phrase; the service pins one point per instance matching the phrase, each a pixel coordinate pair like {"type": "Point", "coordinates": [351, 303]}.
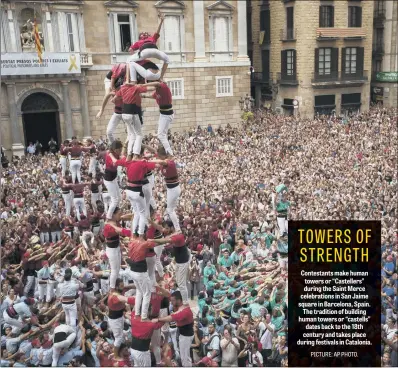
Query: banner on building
{"type": "Point", "coordinates": [387, 77]}
{"type": "Point", "coordinates": [29, 64]}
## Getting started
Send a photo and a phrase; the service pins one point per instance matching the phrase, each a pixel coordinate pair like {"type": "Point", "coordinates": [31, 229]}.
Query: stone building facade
{"type": "Point", "coordinates": [208, 74]}
{"type": "Point", "coordinates": [384, 88]}
{"type": "Point", "coordinates": [312, 56]}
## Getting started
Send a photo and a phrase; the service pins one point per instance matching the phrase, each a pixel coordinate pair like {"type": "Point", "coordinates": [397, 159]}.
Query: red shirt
{"type": "Point", "coordinates": [170, 172]}
{"type": "Point", "coordinates": [115, 304]}
{"type": "Point", "coordinates": [118, 70]}
{"type": "Point", "coordinates": [138, 249]}
{"type": "Point", "coordinates": [76, 151]}
{"type": "Point", "coordinates": [118, 105]}
{"type": "Point", "coordinates": [136, 170]}
{"type": "Point", "coordinates": [109, 163]}
{"type": "Point", "coordinates": [63, 150]}
{"type": "Point", "coordinates": [183, 317]}
{"type": "Point", "coordinates": [156, 303]}
{"type": "Point", "coordinates": [162, 95]}
{"type": "Point", "coordinates": [109, 232]}
{"type": "Point", "coordinates": [143, 330]}
{"type": "Point", "coordinates": [153, 39]}
{"type": "Point", "coordinates": [104, 359]}
{"type": "Point", "coordinates": [78, 189]}
{"type": "Point", "coordinates": [131, 95]}
{"type": "Point", "coordinates": [178, 240]}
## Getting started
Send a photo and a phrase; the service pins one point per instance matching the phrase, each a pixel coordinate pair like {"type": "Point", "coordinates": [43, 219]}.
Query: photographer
{"type": "Point", "coordinates": [252, 355]}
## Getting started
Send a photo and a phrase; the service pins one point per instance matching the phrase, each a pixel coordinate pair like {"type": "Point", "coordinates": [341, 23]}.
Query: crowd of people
{"type": "Point", "coordinates": [224, 305]}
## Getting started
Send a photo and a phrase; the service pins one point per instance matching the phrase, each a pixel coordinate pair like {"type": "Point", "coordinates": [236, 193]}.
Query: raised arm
{"type": "Point", "coordinates": [104, 102]}
{"type": "Point", "coordinates": [161, 23]}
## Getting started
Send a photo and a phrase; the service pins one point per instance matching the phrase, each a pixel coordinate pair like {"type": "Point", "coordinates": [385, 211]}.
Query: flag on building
{"type": "Point", "coordinates": [37, 42]}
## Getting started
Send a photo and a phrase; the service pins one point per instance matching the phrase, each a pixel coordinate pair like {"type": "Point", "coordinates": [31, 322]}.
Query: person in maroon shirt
{"type": "Point", "coordinates": [75, 164]}
{"type": "Point", "coordinates": [131, 96]}
{"type": "Point", "coordinates": [182, 257]}
{"type": "Point", "coordinates": [112, 231]}
{"type": "Point", "coordinates": [145, 48]}
{"type": "Point", "coordinates": [184, 320]}
{"type": "Point", "coordinates": [164, 99]}
{"type": "Point", "coordinates": [173, 187]}
{"type": "Point", "coordinates": [63, 155]}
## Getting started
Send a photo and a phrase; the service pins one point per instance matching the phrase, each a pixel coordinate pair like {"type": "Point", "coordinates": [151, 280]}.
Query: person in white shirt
{"type": "Point", "coordinates": [213, 344]}
{"type": "Point", "coordinates": [31, 149]}
{"type": "Point", "coordinates": [64, 336]}
{"type": "Point", "coordinates": [266, 338]}
{"type": "Point", "coordinates": [230, 348]}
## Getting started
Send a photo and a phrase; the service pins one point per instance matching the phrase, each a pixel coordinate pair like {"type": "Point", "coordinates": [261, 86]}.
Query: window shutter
{"type": "Point", "coordinates": [172, 34]}
{"type": "Point", "coordinates": [290, 14]}
{"type": "Point", "coordinates": [284, 63]}
{"type": "Point", "coordinates": [116, 31]}
{"type": "Point", "coordinates": [359, 17]}
{"type": "Point", "coordinates": [320, 17]}
{"type": "Point", "coordinates": [133, 37]}
{"type": "Point", "coordinates": [332, 16]}
{"type": "Point", "coordinates": [316, 61]}
{"type": "Point", "coordinates": [220, 34]}
{"type": "Point", "coordinates": [62, 29]}
{"type": "Point", "coordinates": [343, 61]}
{"type": "Point", "coordinates": [360, 56]}
{"type": "Point", "coordinates": [334, 60]}
{"type": "Point", "coordinates": [75, 33]}
{"type": "Point", "coordinates": [294, 64]}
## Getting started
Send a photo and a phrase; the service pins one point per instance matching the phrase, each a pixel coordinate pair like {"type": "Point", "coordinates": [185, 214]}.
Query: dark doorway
{"type": "Point", "coordinates": [40, 126]}
{"type": "Point", "coordinates": [41, 119]}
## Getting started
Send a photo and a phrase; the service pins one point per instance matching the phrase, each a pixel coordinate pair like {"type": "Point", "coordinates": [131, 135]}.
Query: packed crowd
{"type": "Point", "coordinates": [239, 187]}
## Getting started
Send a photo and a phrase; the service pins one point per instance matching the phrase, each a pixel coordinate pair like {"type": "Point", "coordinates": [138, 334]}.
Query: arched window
{"type": "Point", "coordinates": [26, 23]}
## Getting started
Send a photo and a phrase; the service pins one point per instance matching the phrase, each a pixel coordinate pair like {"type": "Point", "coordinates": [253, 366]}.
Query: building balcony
{"type": "Point", "coordinates": [86, 60]}
{"type": "Point", "coordinates": [328, 34]}
{"type": "Point", "coordinates": [261, 78]}
{"type": "Point", "coordinates": [338, 79]}
{"type": "Point", "coordinates": [288, 35]}
{"type": "Point", "coordinates": [287, 80]}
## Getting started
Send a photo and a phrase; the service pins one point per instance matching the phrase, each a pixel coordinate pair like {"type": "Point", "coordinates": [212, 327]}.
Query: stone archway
{"type": "Point", "coordinates": [40, 116]}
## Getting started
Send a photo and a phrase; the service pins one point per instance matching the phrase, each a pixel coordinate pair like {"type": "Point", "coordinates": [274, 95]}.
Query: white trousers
{"type": "Point", "coordinates": [94, 198]}
{"type": "Point", "coordinates": [50, 290]}
{"type": "Point", "coordinates": [173, 196]}
{"type": "Point", "coordinates": [116, 326]}
{"type": "Point", "coordinates": [70, 314]}
{"type": "Point", "coordinates": [29, 284]}
{"type": "Point", "coordinates": [112, 125]}
{"type": "Point", "coordinates": [147, 190]}
{"type": "Point", "coordinates": [92, 166]}
{"type": "Point", "coordinates": [134, 131]}
{"type": "Point", "coordinates": [185, 348]}
{"type": "Point", "coordinates": [96, 229]}
{"type": "Point", "coordinates": [138, 205]}
{"type": "Point", "coordinates": [42, 291]}
{"type": "Point", "coordinates": [156, 341]}
{"type": "Point", "coordinates": [182, 271]}
{"type": "Point", "coordinates": [151, 179]}
{"type": "Point", "coordinates": [141, 358]}
{"type": "Point", "coordinates": [57, 350]}
{"type": "Point", "coordinates": [44, 237]}
{"type": "Point", "coordinates": [68, 203]}
{"type": "Point", "coordinates": [173, 335]}
{"type": "Point", "coordinates": [145, 73]}
{"type": "Point", "coordinates": [79, 206]}
{"type": "Point", "coordinates": [149, 54]}
{"type": "Point", "coordinates": [62, 161]}
{"type": "Point", "coordinates": [74, 167]}
{"type": "Point", "coordinates": [87, 234]}
{"type": "Point", "coordinates": [106, 198]}
{"type": "Point", "coordinates": [143, 293]}
{"type": "Point", "coordinates": [282, 224]}
{"type": "Point", "coordinates": [163, 130]}
{"type": "Point", "coordinates": [151, 264]}
{"type": "Point", "coordinates": [158, 265]}
{"type": "Point", "coordinates": [104, 286]}
{"type": "Point", "coordinates": [114, 192]}
{"type": "Point", "coordinates": [115, 259]}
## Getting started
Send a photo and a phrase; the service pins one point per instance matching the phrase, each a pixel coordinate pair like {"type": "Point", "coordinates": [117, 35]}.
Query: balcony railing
{"type": "Point", "coordinates": [287, 79]}
{"type": "Point", "coordinates": [338, 77]}
{"type": "Point", "coordinates": [260, 77]}
{"type": "Point", "coordinates": [86, 60]}
{"type": "Point", "coordinates": [378, 50]}
{"type": "Point", "coordinates": [288, 34]}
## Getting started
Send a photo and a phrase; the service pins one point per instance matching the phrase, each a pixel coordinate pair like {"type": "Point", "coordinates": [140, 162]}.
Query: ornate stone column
{"type": "Point", "coordinates": [67, 110]}
{"type": "Point", "coordinates": [18, 148]}
{"type": "Point", "coordinates": [199, 31]}
{"type": "Point", "coordinates": [242, 31]}
{"type": "Point", "coordinates": [84, 109]}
